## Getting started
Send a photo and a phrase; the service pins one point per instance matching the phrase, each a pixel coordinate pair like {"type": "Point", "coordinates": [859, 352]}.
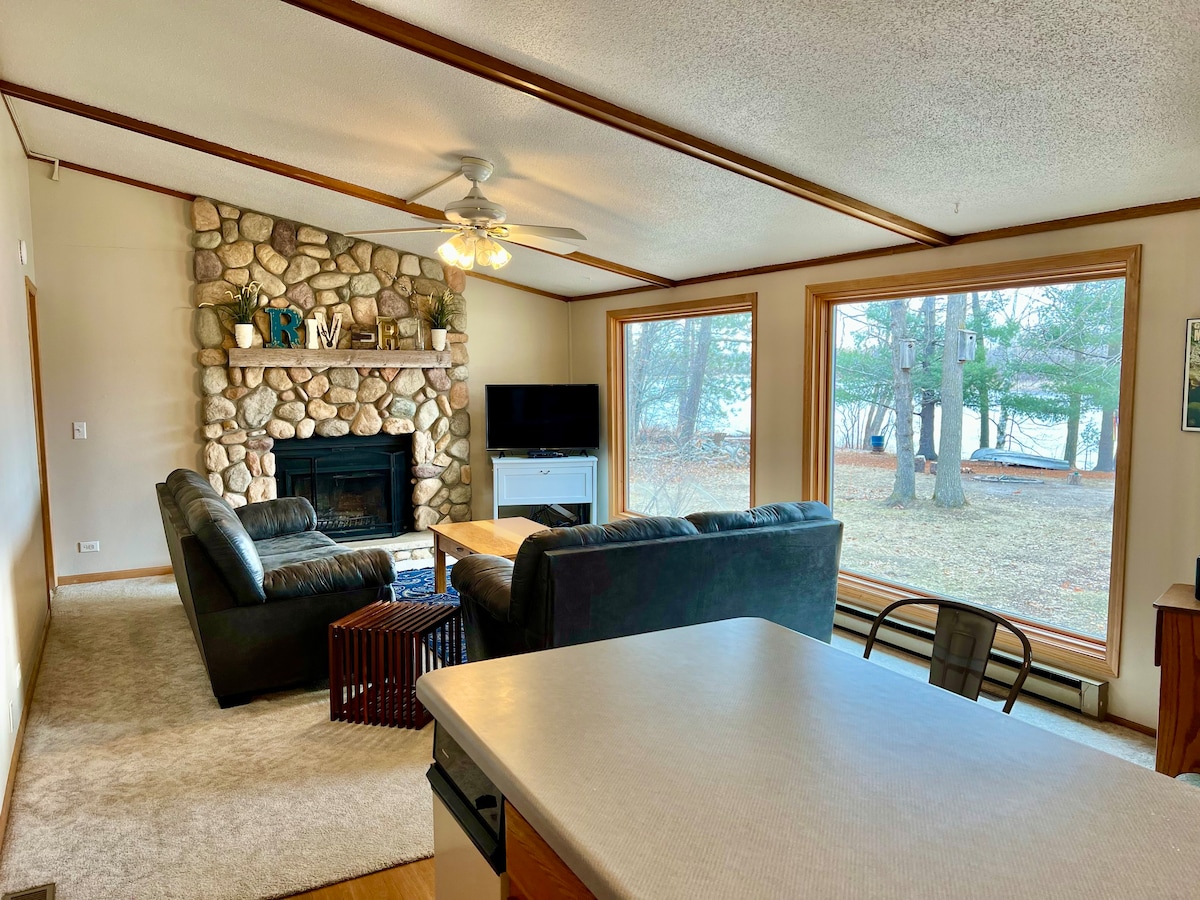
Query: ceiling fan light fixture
{"type": "Point", "coordinates": [459, 251]}
{"type": "Point", "coordinates": [491, 253]}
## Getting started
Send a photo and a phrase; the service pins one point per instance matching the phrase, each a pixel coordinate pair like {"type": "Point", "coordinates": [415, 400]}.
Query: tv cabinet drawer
{"type": "Point", "coordinates": [557, 483]}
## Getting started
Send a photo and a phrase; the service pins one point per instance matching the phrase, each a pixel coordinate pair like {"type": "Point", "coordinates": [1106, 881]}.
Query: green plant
{"type": "Point", "coordinates": [441, 309]}
{"type": "Point", "coordinates": [243, 305]}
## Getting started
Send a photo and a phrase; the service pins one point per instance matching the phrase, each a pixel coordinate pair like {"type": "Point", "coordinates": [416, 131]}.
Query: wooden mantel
{"type": "Point", "coordinates": [347, 359]}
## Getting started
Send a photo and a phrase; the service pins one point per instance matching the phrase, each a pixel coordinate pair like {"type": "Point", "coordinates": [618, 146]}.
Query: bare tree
{"type": "Point", "coordinates": [904, 490]}
{"type": "Point", "coordinates": [699, 330]}
{"type": "Point", "coordinates": [928, 394]}
{"type": "Point", "coordinates": [947, 488]}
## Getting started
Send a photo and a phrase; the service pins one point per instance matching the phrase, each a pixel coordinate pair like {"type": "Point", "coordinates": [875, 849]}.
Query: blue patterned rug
{"type": "Point", "coordinates": [417, 585]}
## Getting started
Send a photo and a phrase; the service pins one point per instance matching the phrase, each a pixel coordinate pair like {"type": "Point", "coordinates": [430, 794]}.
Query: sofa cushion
{"type": "Point", "coordinates": [759, 516]}
{"type": "Point", "coordinates": [228, 543]}
{"type": "Point", "coordinates": [273, 518]}
{"type": "Point", "coordinates": [530, 565]}
{"type": "Point", "coordinates": [186, 486]}
{"type": "Point", "coordinates": [292, 548]}
{"type": "Point", "coordinates": [350, 570]}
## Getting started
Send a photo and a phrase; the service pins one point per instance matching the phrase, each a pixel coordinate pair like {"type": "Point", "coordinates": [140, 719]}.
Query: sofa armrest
{"type": "Point", "coordinates": [272, 518]}
{"type": "Point", "coordinates": [486, 581]}
{"type": "Point", "coordinates": [350, 571]}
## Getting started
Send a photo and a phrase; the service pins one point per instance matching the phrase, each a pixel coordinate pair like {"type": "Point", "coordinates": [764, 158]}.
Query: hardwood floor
{"type": "Point", "coordinates": [413, 881]}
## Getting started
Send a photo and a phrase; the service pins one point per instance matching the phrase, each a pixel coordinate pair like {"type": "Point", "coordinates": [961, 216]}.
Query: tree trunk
{"type": "Point", "coordinates": [636, 375]}
{"type": "Point", "coordinates": [875, 421]}
{"type": "Point", "coordinates": [947, 488]}
{"type": "Point", "coordinates": [1002, 428]}
{"type": "Point", "coordinates": [700, 330]}
{"type": "Point", "coordinates": [904, 490]}
{"type": "Point", "coordinates": [928, 396]}
{"type": "Point", "coordinates": [981, 357]}
{"type": "Point", "coordinates": [1105, 458]}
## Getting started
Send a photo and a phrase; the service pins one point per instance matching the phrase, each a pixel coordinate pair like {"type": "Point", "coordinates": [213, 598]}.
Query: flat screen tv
{"type": "Point", "coordinates": [543, 416]}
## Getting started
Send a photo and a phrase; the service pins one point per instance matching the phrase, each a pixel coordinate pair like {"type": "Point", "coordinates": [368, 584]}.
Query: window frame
{"type": "Point", "coordinates": [618, 488]}
{"type": "Point", "coordinates": [1099, 657]}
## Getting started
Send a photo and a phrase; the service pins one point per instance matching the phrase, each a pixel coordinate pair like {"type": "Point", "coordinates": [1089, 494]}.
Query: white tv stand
{"type": "Point", "coordinates": [518, 480]}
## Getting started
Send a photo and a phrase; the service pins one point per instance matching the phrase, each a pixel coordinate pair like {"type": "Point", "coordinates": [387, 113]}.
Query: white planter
{"type": "Point", "coordinates": [244, 335]}
{"type": "Point", "coordinates": [437, 337]}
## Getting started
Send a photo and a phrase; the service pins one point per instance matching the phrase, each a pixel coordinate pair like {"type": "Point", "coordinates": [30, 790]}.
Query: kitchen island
{"type": "Point", "coordinates": [741, 759]}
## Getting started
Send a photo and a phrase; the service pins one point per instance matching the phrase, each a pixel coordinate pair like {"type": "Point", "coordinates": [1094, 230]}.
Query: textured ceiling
{"type": "Point", "coordinates": [1016, 112]}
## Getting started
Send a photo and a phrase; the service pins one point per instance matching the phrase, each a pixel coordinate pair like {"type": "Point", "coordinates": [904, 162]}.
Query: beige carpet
{"type": "Point", "coordinates": [133, 783]}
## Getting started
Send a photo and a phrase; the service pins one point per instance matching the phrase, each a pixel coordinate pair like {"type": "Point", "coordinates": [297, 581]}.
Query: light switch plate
{"type": "Point", "coordinates": [23, 252]}
{"type": "Point", "coordinates": [79, 431]}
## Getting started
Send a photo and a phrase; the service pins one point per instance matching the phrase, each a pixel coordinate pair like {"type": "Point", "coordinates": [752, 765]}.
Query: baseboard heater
{"type": "Point", "coordinates": [1087, 695]}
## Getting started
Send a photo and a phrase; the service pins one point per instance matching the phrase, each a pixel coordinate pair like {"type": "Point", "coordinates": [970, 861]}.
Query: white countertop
{"type": "Point", "coordinates": [740, 759]}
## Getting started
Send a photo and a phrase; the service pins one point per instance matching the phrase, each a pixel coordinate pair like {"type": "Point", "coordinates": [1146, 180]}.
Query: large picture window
{"type": "Point", "coordinates": [973, 442]}
{"type": "Point", "coordinates": [681, 435]}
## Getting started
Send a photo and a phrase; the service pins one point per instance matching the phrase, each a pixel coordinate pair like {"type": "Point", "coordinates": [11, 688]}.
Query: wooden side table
{"type": "Point", "coordinates": [493, 537]}
{"type": "Point", "coordinates": [1177, 653]}
{"type": "Point", "coordinates": [377, 654]}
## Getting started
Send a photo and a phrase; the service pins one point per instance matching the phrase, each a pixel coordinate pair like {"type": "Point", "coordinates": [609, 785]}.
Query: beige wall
{"type": "Point", "coordinates": [117, 353]}
{"type": "Point", "coordinates": [115, 259]}
{"type": "Point", "coordinates": [23, 589]}
{"type": "Point", "coordinates": [515, 338]}
{"type": "Point", "coordinates": [1164, 519]}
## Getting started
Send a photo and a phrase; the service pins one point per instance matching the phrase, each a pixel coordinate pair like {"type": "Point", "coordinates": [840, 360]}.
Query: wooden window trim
{"type": "Point", "coordinates": [1091, 656]}
{"type": "Point", "coordinates": [617, 320]}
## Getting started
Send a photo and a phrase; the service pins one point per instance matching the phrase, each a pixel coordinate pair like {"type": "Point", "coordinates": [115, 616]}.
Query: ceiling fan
{"type": "Point", "coordinates": [477, 224]}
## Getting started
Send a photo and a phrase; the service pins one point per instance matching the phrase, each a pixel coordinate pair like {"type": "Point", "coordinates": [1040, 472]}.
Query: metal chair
{"type": "Point", "coordinates": [962, 642]}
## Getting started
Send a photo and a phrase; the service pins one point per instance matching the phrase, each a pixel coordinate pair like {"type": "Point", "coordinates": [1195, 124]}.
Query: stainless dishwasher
{"type": "Point", "coordinates": [468, 825]}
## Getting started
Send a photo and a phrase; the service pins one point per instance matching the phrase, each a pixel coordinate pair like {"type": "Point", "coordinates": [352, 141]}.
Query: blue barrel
{"type": "Point", "coordinates": [876, 443]}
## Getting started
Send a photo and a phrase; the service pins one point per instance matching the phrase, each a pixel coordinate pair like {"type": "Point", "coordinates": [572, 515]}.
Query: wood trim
{"type": "Point", "coordinates": [132, 182]}
{"type": "Point", "coordinates": [616, 321]}
{"type": "Point", "coordinates": [616, 292]}
{"type": "Point", "coordinates": [19, 739]}
{"type": "Point", "coordinates": [1133, 726]}
{"type": "Point", "coordinates": [1054, 646]}
{"type": "Point", "coordinates": [535, 871]}
{"type": "Point", "coordinates": [39, 421]}
{"type": "Point", "coordinates": [520, 287]}
{"type": "Point", "coordinates": [1102, 218]}
{"type": "Point", "coordinates": [467, 59]}
{"type": "Point", "coordinates": [93, 577]}
{"type": "Point", "coordinates": [223, 151]}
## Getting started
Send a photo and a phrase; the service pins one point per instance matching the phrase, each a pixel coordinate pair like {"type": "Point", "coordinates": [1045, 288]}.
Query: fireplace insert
{"type": "Point", "coordinates": [359, 486]}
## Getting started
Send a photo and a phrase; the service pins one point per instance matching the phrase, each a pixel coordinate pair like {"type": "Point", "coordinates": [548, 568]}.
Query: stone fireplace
{"type": "Point", "coordinates": [359, 486]}
{"type": "Point", "coordinates": [250, 400]}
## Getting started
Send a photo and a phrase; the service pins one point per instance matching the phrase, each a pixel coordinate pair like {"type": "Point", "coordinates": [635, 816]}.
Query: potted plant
{"type": "Point", "coordinates": [438, 313]}
{"type": "Point", "coordinates": [241, 309]}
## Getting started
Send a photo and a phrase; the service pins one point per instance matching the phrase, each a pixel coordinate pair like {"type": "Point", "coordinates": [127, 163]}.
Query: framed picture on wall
{"type": "Point", "coordinates": [1191, 377]}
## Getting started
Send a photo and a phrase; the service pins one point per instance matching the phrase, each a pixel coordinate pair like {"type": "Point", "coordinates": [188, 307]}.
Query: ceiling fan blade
{"type": "Point", "coordinates": [446, 228]}
{"type": "Point", "coordinates": [547, 231]}
{"type": "Point", "coordinates": [562, 248]}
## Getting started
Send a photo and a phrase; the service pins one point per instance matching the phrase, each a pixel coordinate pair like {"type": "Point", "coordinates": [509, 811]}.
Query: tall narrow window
{"type": "Point", "coordinates": [974, 443]}
{"type": "Point", "coordinates": [681, 407]}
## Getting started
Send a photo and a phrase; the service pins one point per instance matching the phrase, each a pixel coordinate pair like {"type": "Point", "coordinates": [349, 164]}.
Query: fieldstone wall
{"type": "Point", "coordinates": [244, 410]}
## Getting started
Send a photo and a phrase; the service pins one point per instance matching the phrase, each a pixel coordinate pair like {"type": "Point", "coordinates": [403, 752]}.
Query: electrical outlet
{"type": "Point", "coordinates": [79, 431]}
{"type": "Point", "coordinates": [12, 718]}
{"type": "Point", "coordinates": [89, 546]}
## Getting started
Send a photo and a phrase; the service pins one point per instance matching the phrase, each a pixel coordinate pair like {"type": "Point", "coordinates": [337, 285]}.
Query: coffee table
{"type": "Point", "coordinates": [494, 537]}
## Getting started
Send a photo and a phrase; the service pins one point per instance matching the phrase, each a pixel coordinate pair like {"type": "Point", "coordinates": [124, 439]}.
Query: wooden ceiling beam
{"type": "Point", "coordinates": [468, 59]}
{"type": "Point", "coordinates": [212, 148]}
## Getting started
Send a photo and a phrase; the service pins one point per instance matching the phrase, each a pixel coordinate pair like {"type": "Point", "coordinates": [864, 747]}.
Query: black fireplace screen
{"type": "Point", "coordinates": [359, 486]}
